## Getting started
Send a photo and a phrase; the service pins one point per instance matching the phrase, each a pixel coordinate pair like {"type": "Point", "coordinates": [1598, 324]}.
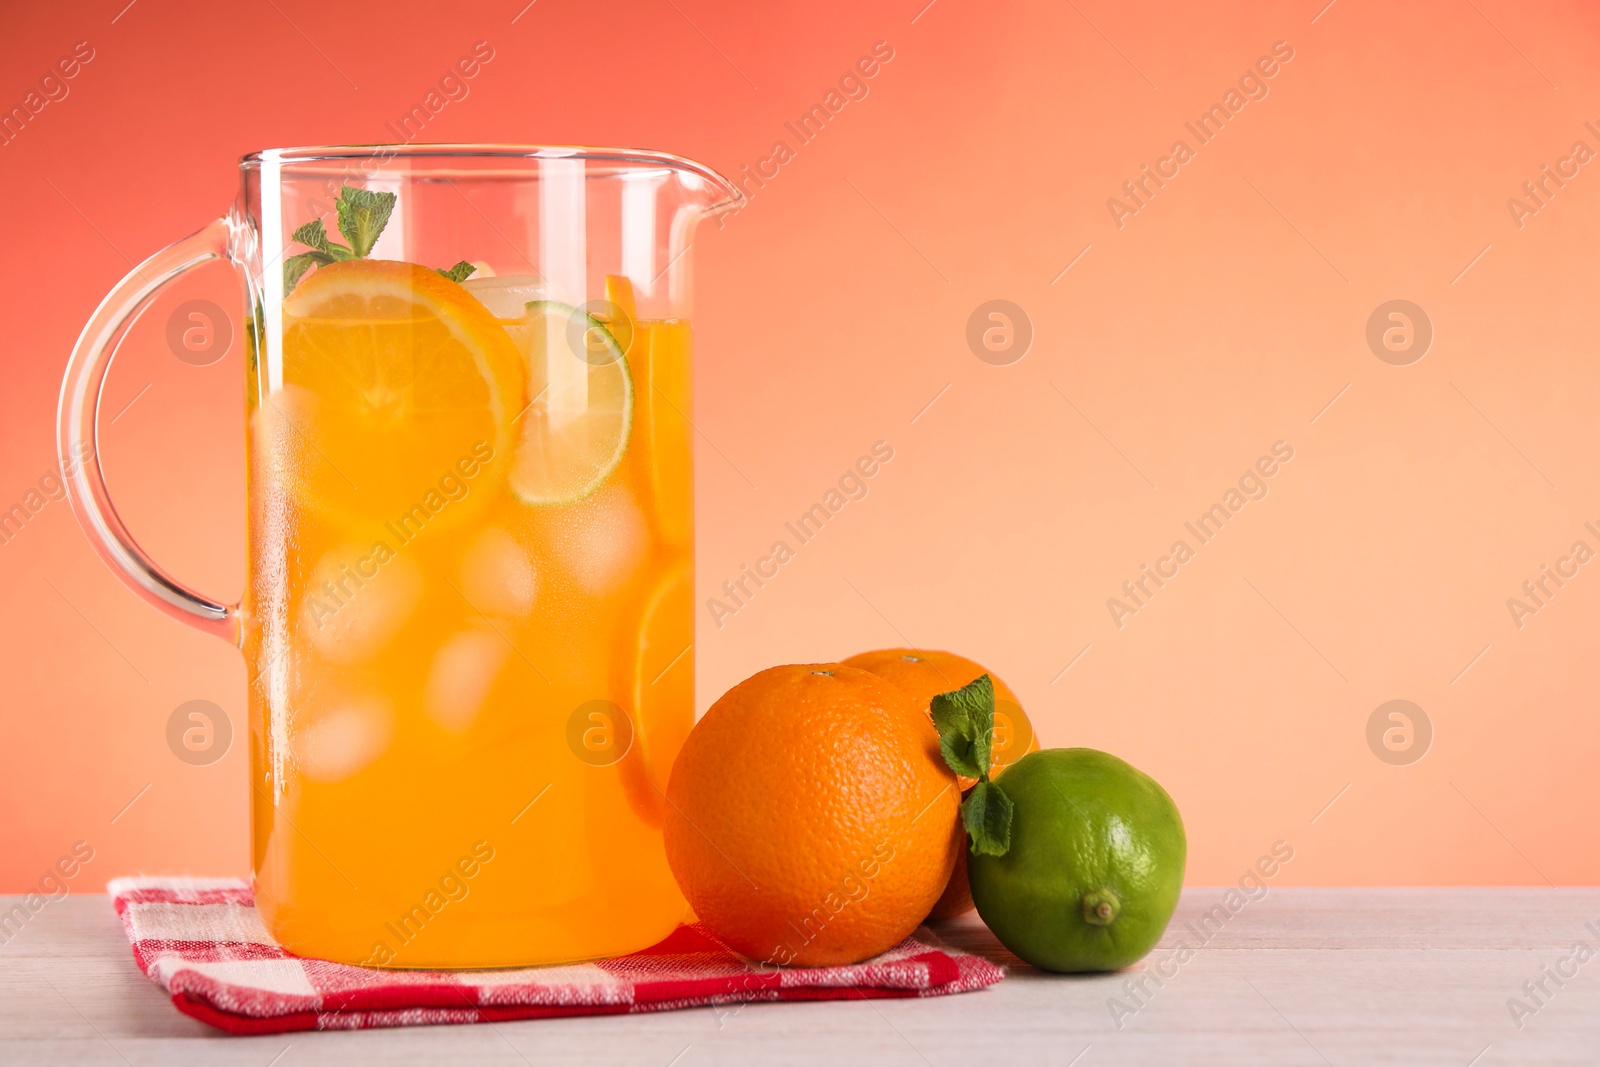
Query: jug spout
{"type": "Point", "coordinates": [716, 193]}
{"type": "Point", "coordinates": [661, 202]}
{"type": "Point", "coordinates": [607, 215]}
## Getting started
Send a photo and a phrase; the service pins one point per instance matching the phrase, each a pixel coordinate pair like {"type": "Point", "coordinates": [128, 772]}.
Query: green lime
{"type": "Point", "coordinates": [575, 427]}
{"type": "Point", "coordinates": [1095, 863]}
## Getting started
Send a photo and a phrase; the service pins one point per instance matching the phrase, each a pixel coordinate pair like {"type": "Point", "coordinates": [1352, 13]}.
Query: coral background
{"type": "Point", "coordinates": [1221, 318]}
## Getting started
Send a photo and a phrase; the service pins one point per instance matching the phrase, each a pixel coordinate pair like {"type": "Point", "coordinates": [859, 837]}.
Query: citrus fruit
{"type": "Point", "coordinates": [957, 896]}
{"type": "Point", "coordinates": [1094, 867]}
{"type": "Point", "coordinates": [575, 428]}
{"type": "Point", "coordinates": [659, 661]}
{"type": "Point", "coordinates": [812, 819]}
{"type": "Point", "coordinates": [658, 357]}
{"type": "Point", "coordinates": [397, 394]}
{"type": "Point", "coordinates": [617, 311]}
{"type": "Point", "coordinates": [661, 355]}
{"type": "Point", "coordinates": [924, 674]}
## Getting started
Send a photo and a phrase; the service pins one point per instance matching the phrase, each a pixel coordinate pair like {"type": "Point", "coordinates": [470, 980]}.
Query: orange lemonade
{"type": "Point", "coordinates": [469, 624]}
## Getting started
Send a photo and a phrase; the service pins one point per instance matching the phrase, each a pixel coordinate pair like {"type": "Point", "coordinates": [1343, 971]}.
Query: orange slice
{"type": "Point", "coordinates": [662, 690]}
{"type": "Point", "coordinates": [665, 403]}
{"type": "Point", "coordinates": [397, 395]}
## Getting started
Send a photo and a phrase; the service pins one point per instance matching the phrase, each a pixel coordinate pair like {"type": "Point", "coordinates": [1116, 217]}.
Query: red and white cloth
{"type": "Point", "coordinates": [201, 940]}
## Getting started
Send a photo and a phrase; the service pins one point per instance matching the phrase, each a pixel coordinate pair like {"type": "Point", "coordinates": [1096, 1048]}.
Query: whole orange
{"type": "Point", "coordinates": [812, 818]}
{"type": "Point", "coordinates": [924, 675]}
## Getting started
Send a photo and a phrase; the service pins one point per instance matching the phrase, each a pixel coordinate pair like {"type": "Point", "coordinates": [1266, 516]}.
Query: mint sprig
{"type": "Point", "coordinates": [362, 216]}
{"type": "Point", "coordinates": [965, 720]}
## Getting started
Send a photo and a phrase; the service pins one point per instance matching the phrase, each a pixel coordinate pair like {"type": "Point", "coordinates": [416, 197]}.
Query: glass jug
{"type": "Point", "coordinates": [468, 611]}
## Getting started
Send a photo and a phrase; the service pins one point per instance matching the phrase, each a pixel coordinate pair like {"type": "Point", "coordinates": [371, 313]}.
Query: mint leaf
{"type": "Point", "coordinates": [295, 267]}
{"type": "Point", "coordinates": [958, 745]}
{"type": "Point", "coordinates": [323, 252]}
{"type": "Point", "coordinates": [312, 235]}
{"type": "Point", "coordinates": [362, 216]}
{"type": "Point", "coordinates": [986, 814]}
{"type": "Point", "coordinates": [965, 721]}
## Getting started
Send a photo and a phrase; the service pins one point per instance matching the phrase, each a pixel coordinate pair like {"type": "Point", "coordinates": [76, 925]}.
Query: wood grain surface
{"type": "Point", "coordinates": [1300, 976]}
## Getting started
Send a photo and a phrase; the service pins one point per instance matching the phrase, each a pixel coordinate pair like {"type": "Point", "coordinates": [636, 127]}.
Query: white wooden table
{"type": "Point", "coordinates": [1303, 976]}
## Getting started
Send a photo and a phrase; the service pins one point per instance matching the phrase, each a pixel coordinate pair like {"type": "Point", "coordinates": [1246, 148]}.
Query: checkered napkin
{"type": "Point", "coordinates": [201, 940]}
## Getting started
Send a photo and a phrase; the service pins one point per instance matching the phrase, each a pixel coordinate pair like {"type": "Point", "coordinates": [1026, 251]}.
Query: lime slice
{"type": "Point", "coordinates": [574, 431]}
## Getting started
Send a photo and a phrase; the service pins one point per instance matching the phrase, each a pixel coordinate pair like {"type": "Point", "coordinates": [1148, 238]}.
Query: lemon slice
{"type": "Point", "coordinates": [574, 430]}
{"type": "Point", "coordinates": [399, 391]}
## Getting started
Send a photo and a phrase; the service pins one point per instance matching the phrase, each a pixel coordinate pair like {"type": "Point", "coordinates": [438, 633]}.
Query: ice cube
{"type": "Point", "coordinates": [462, 674]}
{"type": "Point", "coordinates": [507, 295]}
{"type": "Point", "coordinates": [358, 599]}
{"type": "Point", "coordinates": [497, 576]}
{"type": "Point", "coordinates": [602, 541]}
{"type": "Point", "coordinates": [340, 743]}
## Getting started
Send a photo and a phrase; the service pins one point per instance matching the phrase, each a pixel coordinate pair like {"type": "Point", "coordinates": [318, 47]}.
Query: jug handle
{"type": "Point", "coordinates": [77, 436]}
